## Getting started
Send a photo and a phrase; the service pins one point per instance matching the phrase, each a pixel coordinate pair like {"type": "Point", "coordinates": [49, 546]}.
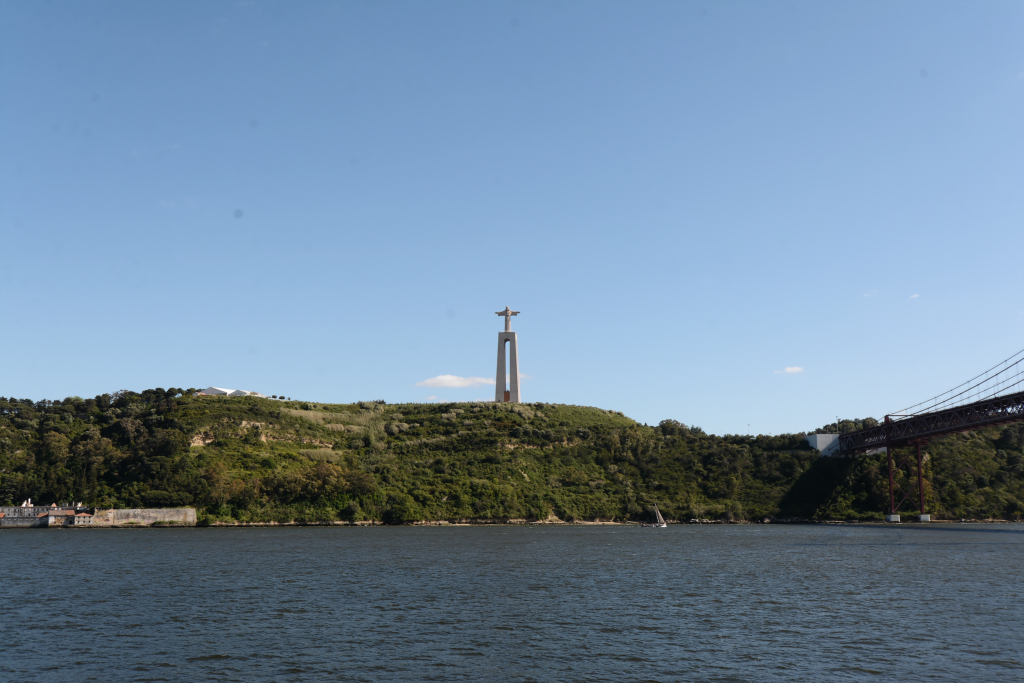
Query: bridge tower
{"type": "Point", "coordinates": [511, 393]}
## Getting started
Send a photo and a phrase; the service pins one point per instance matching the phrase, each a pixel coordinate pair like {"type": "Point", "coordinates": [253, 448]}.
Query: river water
{"type": "Point", "coordinates": [507, 603]}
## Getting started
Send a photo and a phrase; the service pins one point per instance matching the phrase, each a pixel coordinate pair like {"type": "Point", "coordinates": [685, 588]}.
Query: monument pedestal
{"type": "Point", "coordinates": [512, 378]}
{"type": "Point", "coordinates": [509, 394]}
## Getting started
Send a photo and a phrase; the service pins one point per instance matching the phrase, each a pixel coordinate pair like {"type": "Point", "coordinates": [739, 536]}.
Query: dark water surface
{"type": "Point", "coordinates": [581, 603]}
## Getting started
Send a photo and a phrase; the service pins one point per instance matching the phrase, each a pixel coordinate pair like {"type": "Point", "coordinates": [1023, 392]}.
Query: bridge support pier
{"type": "Point", "coordinates": [892, 496]}
{"type": "Point", "coordinates": [920, 487]}
{"type": "Point", "coordinates": [893, 515]}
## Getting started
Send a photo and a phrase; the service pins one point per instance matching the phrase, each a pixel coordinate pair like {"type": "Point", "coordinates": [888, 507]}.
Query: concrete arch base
{"type": "Point", "coordinates": [500, 394]}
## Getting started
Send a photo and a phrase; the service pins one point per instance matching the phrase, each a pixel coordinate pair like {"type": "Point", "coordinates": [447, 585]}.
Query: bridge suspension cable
{"type": "Point", "coordinates": [998, 379]}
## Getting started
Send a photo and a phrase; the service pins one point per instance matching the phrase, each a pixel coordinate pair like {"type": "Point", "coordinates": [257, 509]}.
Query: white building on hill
{"type": "Point", "coordinates": [218, 391]}
{"type": "Point", "coordinates": [826, 444]}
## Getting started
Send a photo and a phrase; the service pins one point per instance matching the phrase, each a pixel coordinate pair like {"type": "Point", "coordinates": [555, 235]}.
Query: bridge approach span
{"type": "Point", "coordinates": [917, 429]}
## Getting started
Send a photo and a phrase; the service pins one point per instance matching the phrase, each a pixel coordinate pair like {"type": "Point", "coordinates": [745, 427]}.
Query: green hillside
{"type": "Point", "coordinates": [260, 460]}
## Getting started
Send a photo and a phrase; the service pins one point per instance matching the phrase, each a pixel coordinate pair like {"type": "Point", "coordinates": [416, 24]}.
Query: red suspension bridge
{"type": "Point", "coordinates": [995, 397]}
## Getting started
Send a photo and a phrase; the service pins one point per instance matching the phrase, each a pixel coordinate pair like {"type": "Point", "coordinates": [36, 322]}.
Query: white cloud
{"type": "Point", "coordinates": [790, 370]}
{"type": "Point", "coordinates": [454, 381]}
{"type": "Point", "coordinates": [914, 296]}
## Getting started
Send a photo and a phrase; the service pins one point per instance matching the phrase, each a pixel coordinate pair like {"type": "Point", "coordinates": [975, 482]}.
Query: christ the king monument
{"type": "Point", "coordinates": [511, 394]}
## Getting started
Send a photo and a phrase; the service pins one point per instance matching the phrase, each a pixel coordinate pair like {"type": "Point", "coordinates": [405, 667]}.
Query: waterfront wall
{"type": "Point", "coordinates": [24, 516]}
{"type": "Point", "coordinates": [145, 517]}
{"type": "Point", "coordinates": [41, 516]}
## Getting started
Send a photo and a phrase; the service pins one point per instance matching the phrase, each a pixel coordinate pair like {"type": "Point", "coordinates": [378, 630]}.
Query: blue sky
{"type": "Point", "coordinates": [329, 200]}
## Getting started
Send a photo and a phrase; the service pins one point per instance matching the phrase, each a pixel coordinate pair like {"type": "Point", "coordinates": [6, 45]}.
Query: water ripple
{"type": "Point", "coordinates": [687, 603]}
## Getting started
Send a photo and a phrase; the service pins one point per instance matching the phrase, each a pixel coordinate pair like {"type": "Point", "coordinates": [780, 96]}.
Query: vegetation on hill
{"type": "Point", "coordinates": [252, 459]}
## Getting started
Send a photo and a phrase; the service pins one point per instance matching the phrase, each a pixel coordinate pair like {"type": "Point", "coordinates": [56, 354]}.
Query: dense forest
{"type": "Point", "coordinates": [251, 459]}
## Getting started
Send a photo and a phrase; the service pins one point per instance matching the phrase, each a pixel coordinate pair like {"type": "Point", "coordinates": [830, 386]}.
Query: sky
{"type": "Point", "coordinates": [747, 216]}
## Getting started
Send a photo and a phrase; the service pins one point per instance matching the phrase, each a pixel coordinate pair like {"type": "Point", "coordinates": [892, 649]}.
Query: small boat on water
{"type": "Point", "coordinates": [660, 524]}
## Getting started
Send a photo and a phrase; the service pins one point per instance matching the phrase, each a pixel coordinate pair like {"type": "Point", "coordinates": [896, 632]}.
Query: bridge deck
{"type": "Point", "coordinates": [919, 428]}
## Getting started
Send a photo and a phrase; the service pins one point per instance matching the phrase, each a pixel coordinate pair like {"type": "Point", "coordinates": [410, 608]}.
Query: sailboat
{"type": "Point", "coordinates": [660, 524]}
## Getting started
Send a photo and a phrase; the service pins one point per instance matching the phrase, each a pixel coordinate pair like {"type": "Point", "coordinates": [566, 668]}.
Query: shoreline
{"type": "Point", "coordinates": [364, 524]}
{"type": "Point", "coordinates": [172, 518]}
{"type": "Point", "coordinates": [541, 523]}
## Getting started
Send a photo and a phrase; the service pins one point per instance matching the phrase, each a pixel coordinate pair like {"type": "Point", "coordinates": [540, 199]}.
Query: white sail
{"type": "Point", "coordinates": [661, 520]}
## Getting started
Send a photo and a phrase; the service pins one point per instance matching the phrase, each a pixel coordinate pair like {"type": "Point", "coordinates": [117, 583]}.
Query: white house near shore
{"type": "Point", "coordinates": [218, 391]}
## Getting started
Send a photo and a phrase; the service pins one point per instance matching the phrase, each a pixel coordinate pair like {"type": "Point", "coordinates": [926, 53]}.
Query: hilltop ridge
{"type": "Point", "coordinates": [251, 459]}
